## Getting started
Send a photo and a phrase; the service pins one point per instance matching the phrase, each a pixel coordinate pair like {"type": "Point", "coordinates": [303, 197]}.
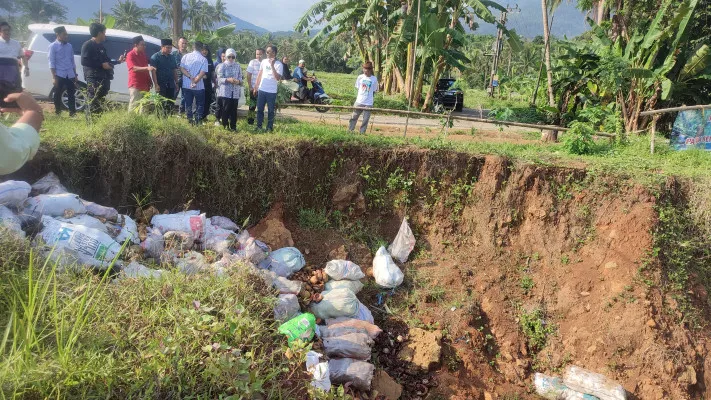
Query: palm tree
{"type": "Point", "coordinates": [163, 11]}
{"type": "Point", "coordinates": [41, 10]}
{"type": "Point", "coordinates": [220, 12]}
{"type": "Point", "coordinates": [129, 16]}
{"type": "Point", "coordinates": [198, 15]}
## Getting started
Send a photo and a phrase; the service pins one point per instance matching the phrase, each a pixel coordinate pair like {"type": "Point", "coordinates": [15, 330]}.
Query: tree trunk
{"type": "Point", "coordinates": [409, 70]}
{"type": "Point", "coordinates": [401, 86]}
{"type": "Point", "coordinates": [177, 20]}
{"type": "Point", "coordinates": [418, 86]}
{"type": "Point", "coordinates": [548, 136]}
{"type": "Point", "coordinates": [439, 66]}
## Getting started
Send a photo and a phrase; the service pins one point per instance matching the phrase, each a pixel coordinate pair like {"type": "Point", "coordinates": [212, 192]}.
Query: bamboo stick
{"type": "Point", "coordinates": [673, 109]}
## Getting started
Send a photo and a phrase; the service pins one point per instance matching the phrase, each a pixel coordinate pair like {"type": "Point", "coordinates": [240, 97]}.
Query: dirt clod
{"type": "Point", "coordinates": [423, 348]}
{"type": "Point", "coordinates": [339, 253]}
{"type": "Point", "coordinates": [386, 386]}
{"type": "Point", "coordinates": [271, 229]}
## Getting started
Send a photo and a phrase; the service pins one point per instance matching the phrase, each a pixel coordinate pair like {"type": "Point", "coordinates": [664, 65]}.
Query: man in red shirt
{"type": "Point", "coordinates": [139, 72]}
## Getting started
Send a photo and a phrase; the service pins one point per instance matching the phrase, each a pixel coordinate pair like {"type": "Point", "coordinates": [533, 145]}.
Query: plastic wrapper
{"type": "Point", "coordinates": [403, 244]}
{"type": "Point", "coordinates": [385, 272]}
{"type": "Point", "coordinates": [343, 269]}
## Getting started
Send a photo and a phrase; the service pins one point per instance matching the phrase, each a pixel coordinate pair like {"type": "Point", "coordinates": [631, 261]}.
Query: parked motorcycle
{"type": "Point", "coordinates": [315, 95]}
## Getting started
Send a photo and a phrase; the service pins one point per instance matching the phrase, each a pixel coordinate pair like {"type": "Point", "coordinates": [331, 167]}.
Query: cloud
{"type": "Point", "coordinates": [273, 15]}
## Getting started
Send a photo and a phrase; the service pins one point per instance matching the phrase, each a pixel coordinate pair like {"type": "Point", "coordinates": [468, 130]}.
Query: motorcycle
{"type": "Point", "coordinates": [315, 95]}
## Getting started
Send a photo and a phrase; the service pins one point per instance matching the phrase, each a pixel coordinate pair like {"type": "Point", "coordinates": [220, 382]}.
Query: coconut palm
{"type": "Point", "coordinates": [129, 16]}
{"type": "Point", "coordinates": [41, 10]}
{"type": "Point", "coordinates": [220, 12]}
{"type": "Point", "coordinates": [199, 15]}
{"type": "Point", "coordinates": [163, 11]}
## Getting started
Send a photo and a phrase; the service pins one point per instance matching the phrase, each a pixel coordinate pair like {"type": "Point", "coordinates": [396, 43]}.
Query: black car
{"type": "Point", "coordinates": [447, 96]}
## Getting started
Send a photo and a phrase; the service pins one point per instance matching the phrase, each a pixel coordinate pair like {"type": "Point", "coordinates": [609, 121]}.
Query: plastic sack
{"type": "Point", "coordinates": [287, 307]}
{"type": "Point", "coordinates": [344, 370]}
{"type": "Point", "coordinates": [55, 205]}
{"type": "Point", "coordinates": [86, 220]}
{"type": "Point", "coordinates": [343, 269]}
{"type": "Point", "coordinates": [404, 242]}
{"type": "Point", "coordinates": [251, 249]}
{"type": "Point", "coordinates": [129, 230]}
{"type": "Point", "coordinates": [364, 314]}
{"type": "Point", "coordinates": [88, 243]}
{"type": "Point", "coordinates": [99, 211]}
{"type": "Point", "coordinates": [354, 286]}
{"type": "Point", "coordinates": [191, 263]}
{"type": "Point", "coordinates": [302, 327]}
{"type": "Point", "coordinates": [188, 221]}
{"type": "Point", "coordinates": [218, 239]}
{"type": "Point", "coordinates": [319, 371]}
{"type": "Point", "coordinates": [48, 184]}
{"type": "Point", "coordinates": [588, 382]}
{"type": "Point", "coordinates": [327, 331]}
{"type": "Point", "coordinates": [224, 223]}
{"type": "Point", "coordinates": [180, 241]}
{"type": "Point", "coordinates": [9, 220]}
{"type": "Point", "coordinates": [336, 303]}
{"type": "Point", "coordinates": [386, 273]}
{"type": "Point", "coordinates": [372, 329]}
{"type": "Point", "coordinates": [154, 244]}
{"type": "Point", "coordinates": [285, 286]}
{"type": "Point", "coordinates": [351, 345]}
{"type": "Point", "coordinates": [14, 193]}
{"type": "Point", "coordinates": [285, 261]}
{"type": "Point", "coordinates": [136, 270]}
{"type": "Point", "coordinates": [552, 388]}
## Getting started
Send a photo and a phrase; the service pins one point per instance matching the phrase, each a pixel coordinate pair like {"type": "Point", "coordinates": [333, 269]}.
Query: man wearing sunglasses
{"type": "Point", "coordinates": [366, 85]}
{"type": "Point", "coordinates": [267, 86]}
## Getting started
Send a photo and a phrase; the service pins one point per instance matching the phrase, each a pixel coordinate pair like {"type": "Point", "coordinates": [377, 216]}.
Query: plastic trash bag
{"type": "Point", "coordinates": [285, 286]}
{"type": "Point", "coordinates": [342, 322]}
{"type": "Point", "coordinates": [88, 221]}
{"type": "Point", "coordinates": [54, 205]}
{"type": "Point", "coordinates": [154, 244]}
{"type": "Point", "coordinates": [327, 331]}
{"type": "Point", "coordinates": [343, 269]}
{"type": "Point", "coordinates": [100, 211]}
{"type": "Point", "coordinates": [48, 184]}
{"type": "Point", "coordinates": [218, 239]}
{"type": "Point", "coordinates": [14, 193]}
{"type": "Point", "coordinates": [191, 263]}
{"type": "Point", "coordinates": [336, 303]}
{"type": "Point", "coordinates": [344, 370]}
{"type": "Point", "coordinates": [251, 249]}
{"type": "Point", "coordinates": [302, 327]}
{"type": "Point", "coordinates": [386, 273]}
{"type": "Point", "coordinates": [136, 270]}
{"type": "Point", "coordinates": [354, 286]}
{"type": "Point", "coordinates": [178, 240]}
{"type": "Point", "coordinates": [89, 244]}
{"type": "Point", "coordinates": [188, 221]}
{"type": "Point", "coordinates": [319, 371]}
{"type": "Point", "coordinates": [588, 382]}
{"type": "Point", "coordinates": [404, 242]}
{"type": "Point", "coordinates": [351, 345]}
{"type": "Point", "coordinates": [10, 221]}
{"type": "Point", "coordinates": [224, 223]}
{"type": "Point", "coordinates": [552, 388]}
{"type": "Point", "coordinates": [364, 314]}
{"type": "Point", "coordinates": [129, 230]}
{"type": "Point", "coordinates": [287, 307]}
{"type": "Point", "coordinates": [285, 261]}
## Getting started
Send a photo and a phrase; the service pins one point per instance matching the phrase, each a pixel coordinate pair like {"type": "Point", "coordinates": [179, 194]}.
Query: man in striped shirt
{"type": "Point", "coordinates": [194, 67]}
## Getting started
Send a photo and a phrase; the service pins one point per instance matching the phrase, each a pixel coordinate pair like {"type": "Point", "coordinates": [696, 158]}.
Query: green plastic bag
{"type": "Point", "coordinates": [302, 326]}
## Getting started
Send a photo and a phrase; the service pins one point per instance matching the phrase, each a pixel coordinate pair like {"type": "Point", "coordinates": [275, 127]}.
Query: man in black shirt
{"type": "Point", "coordinates": [98, 67]}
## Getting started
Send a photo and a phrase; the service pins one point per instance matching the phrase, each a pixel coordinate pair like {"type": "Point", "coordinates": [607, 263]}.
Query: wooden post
{"type": "Point", "coordinates": [654, 133]}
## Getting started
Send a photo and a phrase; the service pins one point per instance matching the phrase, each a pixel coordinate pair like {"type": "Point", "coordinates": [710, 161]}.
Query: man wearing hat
{"type": "Point", "coordinates": [64, 70]}
{"type": "Point", "coordinates": [166, 72]}
{"type": "Point", "coordinates": [300, 77]}
{"type": "Point", "coordinates": [139, 72]}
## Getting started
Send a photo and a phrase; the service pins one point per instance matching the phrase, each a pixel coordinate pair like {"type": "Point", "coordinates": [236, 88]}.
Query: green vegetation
{"type": "Point", "coordinates": [313, 219]}
{"type": "Point", "coordinates": [536, 328]}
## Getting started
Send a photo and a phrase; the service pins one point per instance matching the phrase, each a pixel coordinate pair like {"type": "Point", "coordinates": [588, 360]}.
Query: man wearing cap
{"type": "Point", "coordinates": [299, 76]}
{"type": "Point", "coordinates": [139, 72]}
{"type": "Point", "coordinates": [229, 76]}
{"type": "Point", "coordinates": [165, 75]}
{"type": "Point", "coordinates": [64, 70]}
{"type": "Point", "coordinates": [366, 85]}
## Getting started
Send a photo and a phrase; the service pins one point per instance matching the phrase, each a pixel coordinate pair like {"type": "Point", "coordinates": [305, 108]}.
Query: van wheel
{"type": "Point", "coordinates": [80, 97]}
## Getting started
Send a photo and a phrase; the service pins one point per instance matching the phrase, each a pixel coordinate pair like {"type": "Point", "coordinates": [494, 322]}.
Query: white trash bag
{"type": "Point", "coordinates": [99, 211]}
{"type": "Point", "coordinates": [135, 270]}
{"type": "Point", "coordinates": [218, 239]}
{"type": "Point", "coordinates": [129, 230]}
{"type": "Point", "coordinates": [48, 184]}
{"type": "Point", "coordinates": [404, 242]}
{"type": "Point", "coordinates": [344, 370]}
{"type": "Point", "coordinates": [154, 244]}
{"type": "Point", "coordinates": [251, 249]}
{"type": "Point", "coordinates": [343, 269]}
{"type": "Point", "coordinates": [336, 303]}
{"type": "Point", "coordinates": [54, 205]}
{"type": "Point", "coordinates": [364, 314]}
{"type": "Point", "coordinates": [552, 388]}
{"type": "Point", "coordinates": [386, 273]}
{"type": "Point", "coordinates": [224, 223]}
{"type": "Point", "coordinates": [350, 345]}
{"type": "Point", "coordinates": [14, 193]}
{"type": "Point", "coordinates": [87, 221]}
{"type": "Point", "coordinates": [191, 263]}
{"type": "Point", "coordinates": [89, 244]}
{"type": "Point", "coordinates": [287, 307]}
{"type": "Point", "coordinates": [285, 286]}
{"type": "Point", "coordinates": [588, 382]}
{"type": "Point", "coordinates": [354, 286]}
{"type": "Point", "coordinates": [319, 371]}
{"type": "Point", "coordinates": [286, 261]}
{"type": "Point", "coordinates": [327, 331]}
{"type": "Point", "coordinates": [187, 221]}
{"type": "Point", "coordinates": [10, 221]}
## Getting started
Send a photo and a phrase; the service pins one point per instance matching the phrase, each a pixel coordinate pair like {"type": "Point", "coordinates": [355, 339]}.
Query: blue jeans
{"type": "Point", "coordinates": [199, 96]}
{"type": "Point", "coordinates": [268, 99]}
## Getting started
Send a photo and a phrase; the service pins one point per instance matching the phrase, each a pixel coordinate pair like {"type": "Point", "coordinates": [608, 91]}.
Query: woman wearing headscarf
{"type": "Point", "coordinates": [229, 78]}
{"type": "Point", "coordinates": [208, 80]}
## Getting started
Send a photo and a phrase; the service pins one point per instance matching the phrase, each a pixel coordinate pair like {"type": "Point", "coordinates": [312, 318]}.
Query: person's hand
{"type": "Point", "coordinates": [195, 80]}
{"type": "Point", "coordinates": [151, 68]}
{"type": "Point", "coordinates": [157, 88]}
{"type": "Point", "coordinates": [106, 65]}
{"type": "Point", "coordinates": [25, 102]}
{"type": "Point", "coordinates": [122, 58]}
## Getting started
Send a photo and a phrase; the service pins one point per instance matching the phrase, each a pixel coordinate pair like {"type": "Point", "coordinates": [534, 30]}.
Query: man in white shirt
{"type": "Point", "coordinates": [252, 71]}
{"type": "Point", "coordinates": [267, 86]}
{"type": "Point", "coordinates": [366, 85]}
{"type": "Point", "coordinates": [11, 55]}
{"type": "Point", "coordinates": [19, 143]}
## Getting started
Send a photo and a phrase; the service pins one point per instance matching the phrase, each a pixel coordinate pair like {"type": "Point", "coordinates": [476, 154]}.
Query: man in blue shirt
{"type": "Point", "coordinates": [194, 67]}
{"type": "Point", "coordinates": [299, 76]}
{"type": "Point", "coordinates": [166, 74]}
{"type": "Point", "coordinates": [64, 70]}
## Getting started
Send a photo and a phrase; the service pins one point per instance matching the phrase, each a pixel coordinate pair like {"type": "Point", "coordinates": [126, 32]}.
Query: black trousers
{"type": "Point", "coordinates": [169, 93]}
{"type": "Point", "coordinates": [97, 89]}
{"type": "Point", "coordinates": [228, 112]}
{"type": "Point", "coordinates": [62, 85]}
{"type": "Point", "coordinates": [252, 108]}
{"type": "Point", "coordinates": [209, 98]}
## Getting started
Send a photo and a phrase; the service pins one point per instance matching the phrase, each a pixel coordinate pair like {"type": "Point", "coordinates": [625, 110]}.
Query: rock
{"type": "Point", "coordinates": [386, 386]}
{"type": "Point", "coordinates": [592, 349]}
{"type": "Point", "coordinates": [611, 265]}
{"type": "Point", "coordinates": [488, 396]}
{"type": "Point", "coordinates": [271, 229]}
{"type": "Point", "coordinates": [349, 197]}
{"type": "Point", "coordinates": [689, 376]}
{"type": "Point", "coordinates": [339, 253]}
{"type": "Point", "coordinates": [651, 323]}
{"type": "Point", "coordinates": [422, 349]}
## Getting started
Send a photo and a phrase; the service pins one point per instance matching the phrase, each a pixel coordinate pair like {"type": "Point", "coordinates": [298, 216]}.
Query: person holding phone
{"type": "Point", "coordinates": [267, 87]}
{"type": "Point", "coordinates": [19, 143]}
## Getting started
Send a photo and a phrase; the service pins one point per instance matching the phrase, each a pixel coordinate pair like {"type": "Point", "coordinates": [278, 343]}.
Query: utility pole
{"type": "Point", "coordinates": [101, 12]}
{"type": "Point", "coordinates": [497, 53]}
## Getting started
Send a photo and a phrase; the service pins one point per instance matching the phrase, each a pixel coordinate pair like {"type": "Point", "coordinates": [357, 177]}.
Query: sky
{"type": "Point", "coordinates": [273, 15]}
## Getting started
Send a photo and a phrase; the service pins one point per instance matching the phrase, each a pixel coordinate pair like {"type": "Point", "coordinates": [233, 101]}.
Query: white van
{"type": "Point", "coordinates": [117, 42]}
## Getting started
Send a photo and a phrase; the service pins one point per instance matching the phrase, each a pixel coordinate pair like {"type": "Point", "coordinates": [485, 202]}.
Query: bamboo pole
{"type": "Point", "coordinates": [654, 133]}
{"type": "Point", "coordinates": [414, 57]}
{"type": "Point", "coordinates": [673, 109]}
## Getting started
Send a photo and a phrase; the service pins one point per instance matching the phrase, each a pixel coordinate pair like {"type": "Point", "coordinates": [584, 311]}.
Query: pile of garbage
{"type": "Point", "coordinates": [312, 302]}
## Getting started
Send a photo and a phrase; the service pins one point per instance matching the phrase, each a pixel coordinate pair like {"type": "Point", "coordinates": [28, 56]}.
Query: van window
{"type": "Point", "coordinates": [77, 40]}
{"type": "Point", "coordinates": [115, 47]}
{"type": "Point", "coordinates": [151, 49]}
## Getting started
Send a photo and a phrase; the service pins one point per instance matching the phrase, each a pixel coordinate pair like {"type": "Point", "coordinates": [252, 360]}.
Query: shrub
{"type": "Point", "coordinates": [579, 139]}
